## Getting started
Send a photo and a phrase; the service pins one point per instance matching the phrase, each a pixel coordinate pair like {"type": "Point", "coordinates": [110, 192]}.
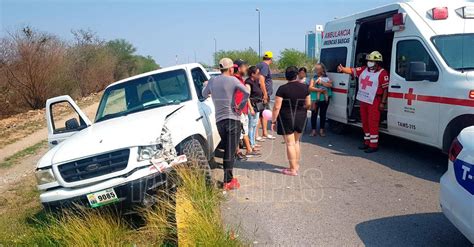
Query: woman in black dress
{"type": "Point", "coordinates": [289, 116]}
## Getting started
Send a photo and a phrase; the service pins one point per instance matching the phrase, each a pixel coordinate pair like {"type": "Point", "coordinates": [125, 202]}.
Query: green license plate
{"type": "Point", "coordinates": [102, 198]}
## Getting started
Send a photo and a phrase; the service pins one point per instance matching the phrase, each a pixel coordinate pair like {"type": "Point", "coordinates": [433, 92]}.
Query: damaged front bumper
{"type": "Point", "coordinates": [130, 189]}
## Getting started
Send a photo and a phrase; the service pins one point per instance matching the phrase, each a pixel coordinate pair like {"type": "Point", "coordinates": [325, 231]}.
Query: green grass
{"type": "Point", "coordinates": [18, 156]}
{"type": "Point", "coordinates": [199, 215]}
{"type": "Point", "coordinates": [197, 211]}
{"type": "Point", "coordinates": [20, 204]}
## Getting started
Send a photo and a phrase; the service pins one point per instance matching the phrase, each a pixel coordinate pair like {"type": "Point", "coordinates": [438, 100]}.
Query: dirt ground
{"type": "Point", "coordinates": [17, 127]}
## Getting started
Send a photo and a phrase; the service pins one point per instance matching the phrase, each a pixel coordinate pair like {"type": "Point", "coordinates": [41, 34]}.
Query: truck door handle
{"type": "Point", "coordinates": [396, 86]}
{"type": "Point", "coordinates": [342, 83]}
{"type": "Point", "coordinates": [199, 118]}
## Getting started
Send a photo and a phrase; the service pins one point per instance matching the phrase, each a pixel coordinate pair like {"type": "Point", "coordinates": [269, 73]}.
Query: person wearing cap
{"type": "Point", "coordinates": [372, 95]}
{"type": "Point", "coordinates": [240, 70]}
{"type": "Point", "coordinates": [222, 88]}
{"type": "Point", "coordinates": [266, 78]}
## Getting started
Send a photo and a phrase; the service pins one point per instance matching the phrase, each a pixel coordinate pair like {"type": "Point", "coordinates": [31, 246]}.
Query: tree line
{"type": "Point", "coordinates": [36, 65]}
{"type": "Point", "coordinates": [288, 57]}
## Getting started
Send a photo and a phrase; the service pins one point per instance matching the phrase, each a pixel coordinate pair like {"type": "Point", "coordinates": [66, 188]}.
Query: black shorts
{"type": "Point", "coordinates": [288, 124]}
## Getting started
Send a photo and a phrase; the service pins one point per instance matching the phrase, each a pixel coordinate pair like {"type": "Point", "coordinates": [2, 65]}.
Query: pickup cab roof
{"type": "Point", "coordinates": [176, 67]}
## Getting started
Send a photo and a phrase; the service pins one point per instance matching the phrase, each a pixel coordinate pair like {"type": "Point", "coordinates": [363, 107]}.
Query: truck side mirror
{"type": "Point", "coordinates": [417, 72]}
{"type": "Point", "coordinates": [72, 124]}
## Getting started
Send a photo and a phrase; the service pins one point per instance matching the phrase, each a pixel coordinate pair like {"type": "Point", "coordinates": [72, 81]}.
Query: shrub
{"type": "Point", "coordinates": [35, 66]}
{"type": "Point", "coordinates": [249, 55]}
{"type": "Point", "coordinates": [31, 62]}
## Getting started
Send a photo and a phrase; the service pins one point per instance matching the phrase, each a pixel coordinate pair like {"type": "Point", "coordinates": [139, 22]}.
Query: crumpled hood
{"type": "Point", "coordinates": [137, 129]}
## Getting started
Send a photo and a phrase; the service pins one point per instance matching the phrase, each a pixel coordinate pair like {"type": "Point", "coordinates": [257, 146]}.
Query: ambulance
{"type": "Point", "coordinates": [428, 49]}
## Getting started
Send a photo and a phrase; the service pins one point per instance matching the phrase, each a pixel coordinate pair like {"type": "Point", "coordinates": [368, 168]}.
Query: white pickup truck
{"type": "Point", "coordinates": [142, 125]}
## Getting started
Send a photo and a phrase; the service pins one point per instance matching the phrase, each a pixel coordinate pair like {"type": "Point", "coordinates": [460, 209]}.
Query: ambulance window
{"type": "Point", "coordinates": [412, 51]}
{"type": "Point", "coordinates": [332, 57]}
{"type": "Point", "coordinates": [456, 50]}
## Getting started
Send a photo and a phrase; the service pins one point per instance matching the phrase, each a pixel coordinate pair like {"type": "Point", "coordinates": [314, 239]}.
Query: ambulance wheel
{"type": "Point", "coordinates": [337, 127]}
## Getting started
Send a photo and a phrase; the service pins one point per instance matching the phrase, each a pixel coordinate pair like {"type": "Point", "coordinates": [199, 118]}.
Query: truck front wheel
{"type": "Point", "coordinates": [196, 156]}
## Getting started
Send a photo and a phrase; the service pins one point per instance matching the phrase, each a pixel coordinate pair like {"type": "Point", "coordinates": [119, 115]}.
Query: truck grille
{"type": "Point", "coordinates": [94, 166]}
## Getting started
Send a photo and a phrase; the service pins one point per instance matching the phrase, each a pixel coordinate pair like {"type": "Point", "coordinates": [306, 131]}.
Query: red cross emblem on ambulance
{"type": "Point", "coordinates": [410, 97]}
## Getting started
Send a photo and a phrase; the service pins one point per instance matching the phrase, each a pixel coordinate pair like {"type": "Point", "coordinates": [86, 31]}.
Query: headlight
{"type": "Point", "coordinates": [163, 148]}
{"type": "Point", "coordinates": [44, 176]}
{"type": "Point", "coordinates": [148, 152]}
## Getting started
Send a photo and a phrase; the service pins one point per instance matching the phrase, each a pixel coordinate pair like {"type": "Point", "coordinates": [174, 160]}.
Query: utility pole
{"type": "Point", "coordinates": [215, 51]}
{"type": "Point", "coordinates": [259, 42]}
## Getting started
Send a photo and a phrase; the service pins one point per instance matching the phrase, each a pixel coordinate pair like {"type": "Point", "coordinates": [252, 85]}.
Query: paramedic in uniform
{"type": "Point", "coordinates": [372, 95]}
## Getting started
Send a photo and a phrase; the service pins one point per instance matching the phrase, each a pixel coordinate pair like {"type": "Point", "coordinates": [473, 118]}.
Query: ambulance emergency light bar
{"type": "Point", "coordinates": [466, 12]}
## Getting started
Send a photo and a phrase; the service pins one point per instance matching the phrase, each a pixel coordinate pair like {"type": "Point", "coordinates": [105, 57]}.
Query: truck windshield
{"type": "Point", "coordinates": [144, 93]}
{"type": "Point", "coordinates": [457, 50]}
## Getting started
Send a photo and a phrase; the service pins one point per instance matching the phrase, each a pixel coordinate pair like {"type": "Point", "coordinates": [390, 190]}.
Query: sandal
{"type": "Point", "coordinates": [288, 172]}
{"type": "Point", "coordinates": [322, 134]}
{"type": "Point", "coordinates": [253, 154]}
{"type": "Point", "coordinates": [269, 137]}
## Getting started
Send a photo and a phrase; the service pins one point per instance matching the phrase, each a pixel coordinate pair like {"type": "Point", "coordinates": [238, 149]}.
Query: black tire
{"type": "Point", "coordinates": [196, 155]}
{"type": "Point", "coordinates": [337, 127]}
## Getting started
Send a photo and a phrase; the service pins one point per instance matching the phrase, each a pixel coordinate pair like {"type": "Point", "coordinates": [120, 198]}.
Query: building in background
{"type": "Point", "coordinates": [313, 42]}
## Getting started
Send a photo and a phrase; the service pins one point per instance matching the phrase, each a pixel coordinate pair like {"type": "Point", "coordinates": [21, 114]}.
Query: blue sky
{"type": "Point", "coordinates": [164, 29]}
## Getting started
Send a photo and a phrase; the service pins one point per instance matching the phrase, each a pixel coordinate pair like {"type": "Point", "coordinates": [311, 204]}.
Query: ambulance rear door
{"type": "Point", "coordinates": [337, 48]}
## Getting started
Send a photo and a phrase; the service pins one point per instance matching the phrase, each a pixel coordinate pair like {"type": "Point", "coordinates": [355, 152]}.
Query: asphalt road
{"type": "Point", "coordinates": [343, 197]}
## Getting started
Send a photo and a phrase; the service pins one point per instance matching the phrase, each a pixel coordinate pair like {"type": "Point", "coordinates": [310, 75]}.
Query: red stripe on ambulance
{"type": "Point", "coordinates": [445, 100]}
{"type": "Point", "coordinates": [339, 90]}
{"type": "Point", "coordinates": [433, 99]}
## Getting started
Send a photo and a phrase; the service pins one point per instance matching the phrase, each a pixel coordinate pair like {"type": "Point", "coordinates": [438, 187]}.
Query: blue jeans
{"type": "Point", "coordinates": [253, 120]}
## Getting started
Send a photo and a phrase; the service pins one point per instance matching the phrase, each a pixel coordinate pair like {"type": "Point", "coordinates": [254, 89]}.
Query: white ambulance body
{"type": "Point", "coordinates": [428, 48]}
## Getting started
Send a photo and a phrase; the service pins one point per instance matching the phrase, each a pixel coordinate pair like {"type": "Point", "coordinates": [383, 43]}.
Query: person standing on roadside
{"type": "Point", "coordinates": [321, 92]}
{"type": "Point", "coordinates": [266, 77]}
{"type": "Point", "coordinates": [256, 103]}
{"type": "Point", "coordinates": [240, 70]}
{"type": "Point", "coordinates": [289, 116]}
{"type": "Point", "coordinates": [372, 95]}
{"type": "Point", "coordinates": [302, 75]}
{"type": "Point", "coordinates": [222, 88]}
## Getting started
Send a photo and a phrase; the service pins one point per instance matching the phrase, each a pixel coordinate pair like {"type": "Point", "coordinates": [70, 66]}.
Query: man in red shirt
{"type": "Point", "coordinates": [372, 95]}
{"type": "Point", "coordinates": [240, 70]}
